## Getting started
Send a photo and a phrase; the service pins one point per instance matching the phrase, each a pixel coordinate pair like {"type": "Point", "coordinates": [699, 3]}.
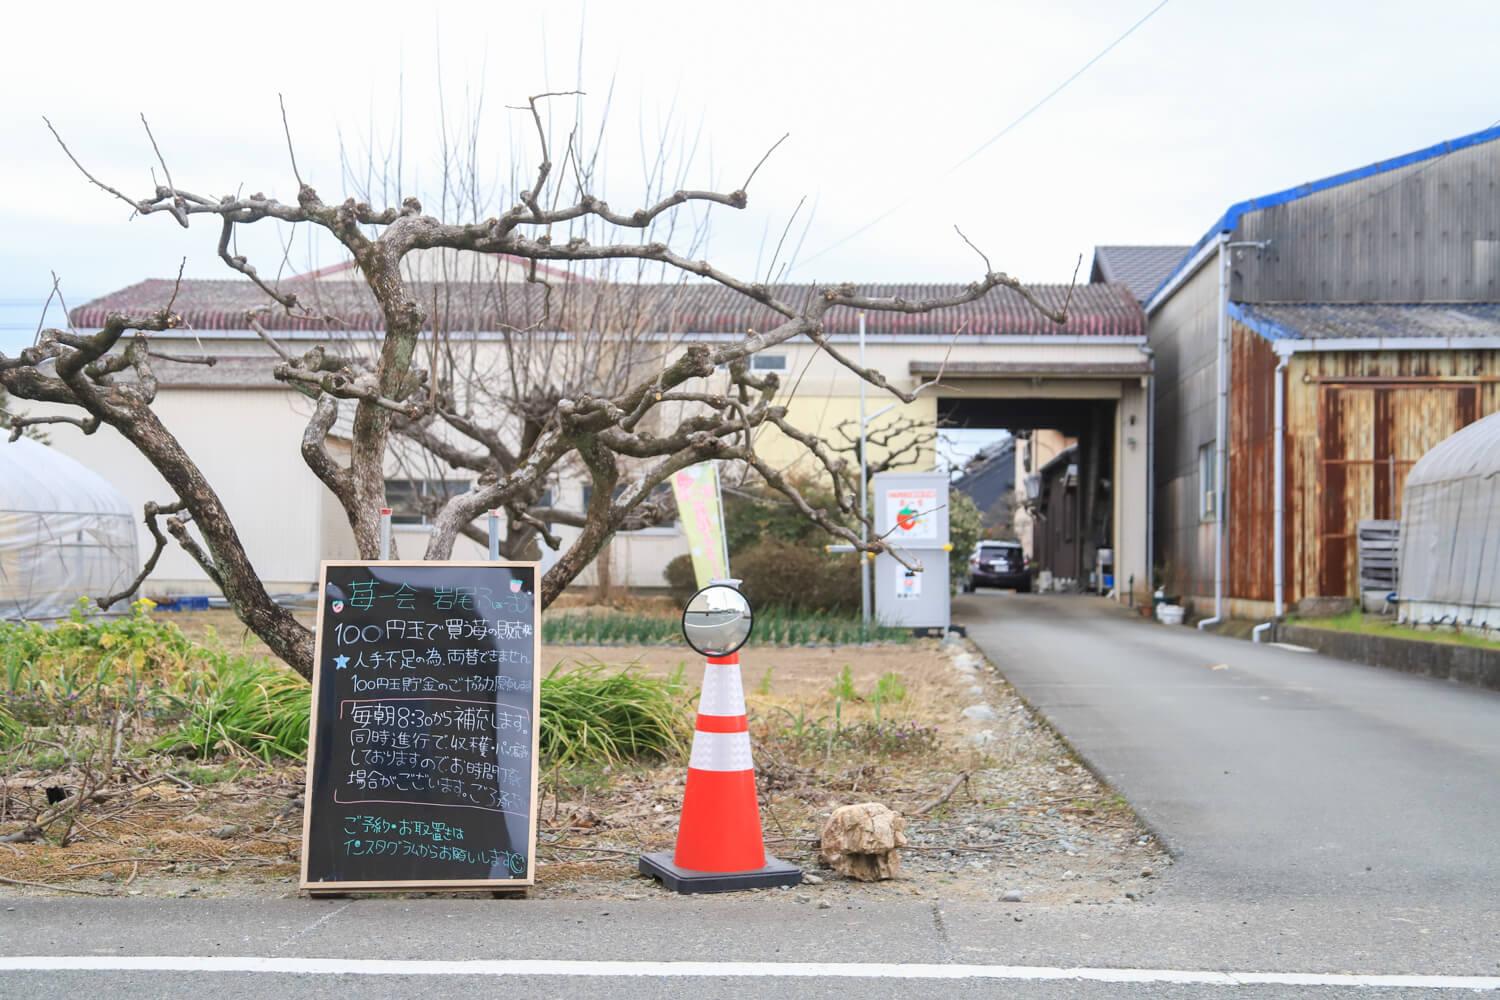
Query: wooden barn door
{"type": "Point", "coordinates": [1369, 437]}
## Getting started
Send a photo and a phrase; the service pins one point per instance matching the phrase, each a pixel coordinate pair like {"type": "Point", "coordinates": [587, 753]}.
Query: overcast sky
{"type": "Point", "coordinates": [1208, 102]}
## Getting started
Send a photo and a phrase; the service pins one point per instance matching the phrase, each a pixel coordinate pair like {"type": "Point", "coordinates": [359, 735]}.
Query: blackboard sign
{"type": "Point", "coordinates": [421, 762]}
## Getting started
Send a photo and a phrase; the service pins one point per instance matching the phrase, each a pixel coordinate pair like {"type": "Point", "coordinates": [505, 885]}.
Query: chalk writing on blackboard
{"type": "Point", "coordinates": [422, 765]}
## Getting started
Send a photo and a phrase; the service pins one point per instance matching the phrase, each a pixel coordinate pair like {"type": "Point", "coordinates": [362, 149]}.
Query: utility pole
{"type": "Point", "coordinates": [864, 493]}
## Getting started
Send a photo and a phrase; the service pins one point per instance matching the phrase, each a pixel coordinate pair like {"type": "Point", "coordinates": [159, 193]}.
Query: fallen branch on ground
{"type": "Point", "coordinates": [962, 779]}
{"type": "Point", "coordinates": [54, 888]}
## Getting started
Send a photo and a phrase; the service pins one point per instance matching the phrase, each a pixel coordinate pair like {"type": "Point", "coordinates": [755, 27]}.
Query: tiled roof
{"type": "Point", "coordinates": [1100, 310]}
{"type": "Point", "coordinates": [229, 372]}
{"type": "Point", "coordinates": [1325, 321]}
{"type": "Point", "coordinates": [1141, 269]}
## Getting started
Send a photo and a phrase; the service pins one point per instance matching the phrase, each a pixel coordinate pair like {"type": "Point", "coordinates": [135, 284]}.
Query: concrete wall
{"type": "Point", "coordinates": [1477, 665]}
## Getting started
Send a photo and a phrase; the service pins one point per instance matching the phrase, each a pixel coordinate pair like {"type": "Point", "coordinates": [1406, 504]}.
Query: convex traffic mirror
{"type": "Point", "coordinates": [717, 620]}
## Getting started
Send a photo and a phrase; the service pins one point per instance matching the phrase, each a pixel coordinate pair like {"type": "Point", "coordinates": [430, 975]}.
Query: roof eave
{"type": "Point", "coordinates": [1310, 345]}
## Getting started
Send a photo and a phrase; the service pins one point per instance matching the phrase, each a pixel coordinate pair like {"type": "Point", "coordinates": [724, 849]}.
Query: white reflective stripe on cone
{"type": "Point", "coordinates": [723, 692]}
{"type": "Point", "coordinates": [721, 752]}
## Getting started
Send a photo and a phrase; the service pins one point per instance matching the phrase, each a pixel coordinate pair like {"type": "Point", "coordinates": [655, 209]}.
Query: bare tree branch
{"type": "Point", "coordinates": [290, 152]}
{"type": "Point", "coordinates": [501, 393]}
{"type": "Point", "coordinates": [153, 511]}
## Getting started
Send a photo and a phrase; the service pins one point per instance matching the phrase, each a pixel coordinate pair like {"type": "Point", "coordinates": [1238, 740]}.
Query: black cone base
{"type": "Point", "coordinates": [775, 873]}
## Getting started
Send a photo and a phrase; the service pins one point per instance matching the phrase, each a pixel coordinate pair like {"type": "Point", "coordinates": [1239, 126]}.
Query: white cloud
{"type": "Point", "coordinates": [1205, 104]}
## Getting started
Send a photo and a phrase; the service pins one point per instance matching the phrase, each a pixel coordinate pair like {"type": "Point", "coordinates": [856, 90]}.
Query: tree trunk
{"type": "Point", "coordinates": [280, 630]}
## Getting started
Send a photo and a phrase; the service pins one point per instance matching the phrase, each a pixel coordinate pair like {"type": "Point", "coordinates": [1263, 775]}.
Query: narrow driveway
{"type": "Point", "coordinates": [1272, 774]}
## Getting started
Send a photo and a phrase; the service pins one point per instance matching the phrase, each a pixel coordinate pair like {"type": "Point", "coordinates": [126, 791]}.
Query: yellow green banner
{"type": "Point", "coordinates": [701, 511]}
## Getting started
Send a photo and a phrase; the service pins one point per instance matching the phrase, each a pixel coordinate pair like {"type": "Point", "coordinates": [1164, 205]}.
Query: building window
{"type": "Point", "coordinates": [768, 362]}
{"type": "Point", "coordinates": [415, 501]}
{"type": "Point", "coordinates": [1208, 487]}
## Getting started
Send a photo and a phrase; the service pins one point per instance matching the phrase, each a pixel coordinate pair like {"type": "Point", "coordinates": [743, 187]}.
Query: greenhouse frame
{"type": "Point", "coordinates": [65, 534]}
{"type": "Point", "coordinates": [1450, 532]}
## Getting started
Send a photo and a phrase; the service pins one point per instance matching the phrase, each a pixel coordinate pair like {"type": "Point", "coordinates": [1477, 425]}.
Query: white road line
{"type": "Point", "coordinates": [840, 970]}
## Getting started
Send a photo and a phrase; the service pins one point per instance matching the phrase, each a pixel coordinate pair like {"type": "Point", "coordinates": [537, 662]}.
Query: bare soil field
{"type": "Point", "coordinates": [996, 804]}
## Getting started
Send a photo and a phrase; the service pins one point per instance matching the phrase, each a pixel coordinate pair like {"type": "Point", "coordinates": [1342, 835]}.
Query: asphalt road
{"type": "Point", "coordinates": [1274, 775]}
{"type": "Point", "coordinates": [1326, 818]}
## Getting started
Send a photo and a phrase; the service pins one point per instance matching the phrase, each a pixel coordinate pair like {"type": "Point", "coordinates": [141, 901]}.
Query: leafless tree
{"type": "Point", "coordinates": [891, 444]}
{"type": "Point", "coordinates": [8, 427]}
{"type": "Point", "coordinates": [661, 408]}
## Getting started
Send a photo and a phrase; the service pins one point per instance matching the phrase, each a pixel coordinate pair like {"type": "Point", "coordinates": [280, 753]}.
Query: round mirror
{"type": "Point", "coordinates": [717, 621]}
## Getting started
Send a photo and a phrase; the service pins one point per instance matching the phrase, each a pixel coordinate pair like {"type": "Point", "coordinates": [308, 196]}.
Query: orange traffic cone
{"type": "Point", "coordinates": [719, 844]}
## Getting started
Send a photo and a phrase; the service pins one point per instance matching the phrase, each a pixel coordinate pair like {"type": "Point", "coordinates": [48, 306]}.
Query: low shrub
{"type": "Point", "coordinates": [191, 698]}
{"type": "Point", "coordinates": [591, 715]}
{"type": "Point", "coordinates": [83, 669]}
{"type": "Point", "coordinates": [682, 580]}
{"type": "Point", "coordinates": [798, 577]}
{"type": "Point", "coordinates": [965, 527]}
{"type": "Point", "coordinates": [759, 513]}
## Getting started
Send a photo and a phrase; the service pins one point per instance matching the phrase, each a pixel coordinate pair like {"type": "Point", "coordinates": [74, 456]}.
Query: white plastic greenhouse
{"type": "Point", "coordinates": [65, 533]}
{"type": "Point", "coordinates": [1450, 532]}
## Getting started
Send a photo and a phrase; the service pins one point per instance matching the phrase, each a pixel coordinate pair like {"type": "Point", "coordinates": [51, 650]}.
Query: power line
{"type": "Point", "coordinates": [998, 135]}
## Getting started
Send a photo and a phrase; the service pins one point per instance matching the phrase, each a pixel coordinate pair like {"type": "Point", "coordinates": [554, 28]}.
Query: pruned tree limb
{"type": "Point", "coordinates": [587, 391]}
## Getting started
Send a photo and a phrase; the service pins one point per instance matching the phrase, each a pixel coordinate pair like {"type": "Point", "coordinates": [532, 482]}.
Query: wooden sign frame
{"type": "Point", "coordinates": [421, 885]}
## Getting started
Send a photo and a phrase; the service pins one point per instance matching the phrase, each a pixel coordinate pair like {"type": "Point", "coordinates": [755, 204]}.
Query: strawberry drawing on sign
{"type": "Point", "coordinates": [909, 513]}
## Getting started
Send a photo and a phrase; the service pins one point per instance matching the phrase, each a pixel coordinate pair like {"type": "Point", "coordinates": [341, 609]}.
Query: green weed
{"type": "Point", "coordinates": [212, 774]}
{"type": "Point", "coordinates": [890, 688]}
{"type": "Point", "coordinates": [827, 736]}
{"type": "Point", "coordinates": [843, 686]}
{"type": "Point", "coordinates": [773, 627]}
{"type": "Point", "coordinates": [1356, 621]}
{"type": "Point", "coordinates": [251, 707]}
{"type": "Point", "coordinates": [764, 687]}
{"type": "Point", "coordinates": [592, 715]}
{"type": "Point", "coordinates": [11, 729]}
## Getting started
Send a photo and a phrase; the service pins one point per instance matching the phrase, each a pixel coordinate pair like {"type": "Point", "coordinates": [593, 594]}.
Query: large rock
{"type": "Point", "coordinates": [862, 841]}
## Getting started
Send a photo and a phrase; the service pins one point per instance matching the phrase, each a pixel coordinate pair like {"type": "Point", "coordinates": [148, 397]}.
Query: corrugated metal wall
{"type": "Point", "coordinates": [1182, 334]}
{"type": "Point", "coordinates": [1356, 423]}
{"type": "Point", "coordinates": [1429, 232]}
{"type": "Point", "coordinates": [1252, 423]}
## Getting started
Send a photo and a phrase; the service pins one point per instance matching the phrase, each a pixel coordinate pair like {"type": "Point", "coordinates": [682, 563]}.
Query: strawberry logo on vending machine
{"type": "Point", "coordinates": [906, 518]}
{"type": "Point", "coordinates": [909, 510]}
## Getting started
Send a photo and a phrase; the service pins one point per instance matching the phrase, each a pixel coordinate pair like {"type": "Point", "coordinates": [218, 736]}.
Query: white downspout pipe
{"type": "Point", "coordinates": [1150, 474]}
{"type": "Point", "coordinates": [1221, 422]}
{"type": "Point", "coordinates": [1278, 514]}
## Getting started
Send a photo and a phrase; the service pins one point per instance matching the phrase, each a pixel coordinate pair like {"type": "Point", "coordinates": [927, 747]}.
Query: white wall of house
{"type": "Point", "coordinates": [247, 440]}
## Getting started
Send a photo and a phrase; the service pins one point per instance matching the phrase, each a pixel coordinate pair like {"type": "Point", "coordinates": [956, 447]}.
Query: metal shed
{"type": "Point", "coordinates": [1450, 532]}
